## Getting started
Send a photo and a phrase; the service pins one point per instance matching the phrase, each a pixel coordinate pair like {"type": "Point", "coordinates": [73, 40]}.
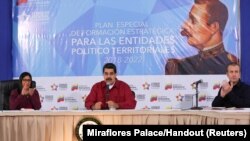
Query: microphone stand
{"type": "Point", "coordinates": [196, 107]}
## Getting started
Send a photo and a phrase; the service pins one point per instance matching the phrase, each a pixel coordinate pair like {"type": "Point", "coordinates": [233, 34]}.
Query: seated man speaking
{"type": "Point", "coordinates": [110, 93]}
{"type": "Point", "coordinates": [234, 93]}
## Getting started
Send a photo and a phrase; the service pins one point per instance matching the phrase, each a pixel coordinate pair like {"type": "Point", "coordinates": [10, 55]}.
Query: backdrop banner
{"type": "Point", "coordinates": [64, 45]}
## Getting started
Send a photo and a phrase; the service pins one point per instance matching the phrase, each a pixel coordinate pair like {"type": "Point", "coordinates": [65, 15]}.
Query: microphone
{"type": "Point", "coordinates": [107, 86]}
{"type": "Point", "coordinates": [197, 82]}
{"type": "Point", "coordinates": [107, 91]}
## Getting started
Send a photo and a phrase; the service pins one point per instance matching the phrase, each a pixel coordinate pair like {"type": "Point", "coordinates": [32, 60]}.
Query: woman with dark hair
{"type": "Point", "coordinates": [25, 97]}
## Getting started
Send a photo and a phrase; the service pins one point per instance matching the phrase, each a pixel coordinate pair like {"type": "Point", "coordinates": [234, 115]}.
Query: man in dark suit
{"type": "Point", "coordinates": [204, 31]}
{"type": "Point", "coordinates": [233, 93]}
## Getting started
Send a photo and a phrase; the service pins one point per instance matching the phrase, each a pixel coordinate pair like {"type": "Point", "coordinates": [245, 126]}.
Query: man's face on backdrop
{"type": "Point", "coordinates": [196, 28]}
{"type": "Point", "coordinates": [109, 76]}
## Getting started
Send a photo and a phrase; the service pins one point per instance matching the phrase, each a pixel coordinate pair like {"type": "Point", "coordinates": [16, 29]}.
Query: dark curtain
{"type": "Point", "coordinates": [5, 40]}
{"type": "Point", "coordinates": [245, 40]}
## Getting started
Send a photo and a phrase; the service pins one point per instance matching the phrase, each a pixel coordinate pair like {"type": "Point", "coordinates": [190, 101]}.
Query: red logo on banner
{"type": "Point", "coordinates": [216, 86]}
{"type": "Point", "coordinates": [54, 87]}
{"type": "Point", "coordinates": [153, 98]}
{"type": "Point", "coordinates": [145, 86]}
{"type": "Point", "coordinates": [74, 87]}
{"type": "Point", "coordinates": [168, 86]}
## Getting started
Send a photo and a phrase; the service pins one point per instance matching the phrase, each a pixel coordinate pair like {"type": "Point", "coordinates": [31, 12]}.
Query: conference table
{"type": "Point", "coordinates": [61, 125]}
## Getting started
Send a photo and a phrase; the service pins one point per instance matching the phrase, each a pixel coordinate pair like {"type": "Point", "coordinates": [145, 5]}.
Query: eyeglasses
{"type": "Point", "coordinates": [26, 80]}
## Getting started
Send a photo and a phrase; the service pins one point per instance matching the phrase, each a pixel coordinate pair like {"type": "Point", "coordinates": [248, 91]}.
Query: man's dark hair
{"type": "Point", "coordinates": [233, 64]}
{"type": "Point", "coordinates": [217, 12]}
{"type": "Point", "coordinates": [109, 66]}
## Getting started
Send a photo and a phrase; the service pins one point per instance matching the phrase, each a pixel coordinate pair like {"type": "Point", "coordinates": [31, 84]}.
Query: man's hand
{"type": "Point", "coordinates": [97, 106]}
{"type": "Point", "coordinates": [226, 88]}
{"type": "Point", "coordinates": [112, 104]}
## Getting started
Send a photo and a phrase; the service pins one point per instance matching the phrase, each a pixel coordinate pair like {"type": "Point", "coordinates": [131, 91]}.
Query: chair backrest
{"type": "Point", "coordinates": [133, 93]}
{"type": "Point", "coordinates": [5, 89]}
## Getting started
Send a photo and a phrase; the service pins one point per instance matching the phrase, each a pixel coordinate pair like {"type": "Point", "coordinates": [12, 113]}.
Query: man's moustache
{"type": "Point", "coordinates": [108, 79]}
